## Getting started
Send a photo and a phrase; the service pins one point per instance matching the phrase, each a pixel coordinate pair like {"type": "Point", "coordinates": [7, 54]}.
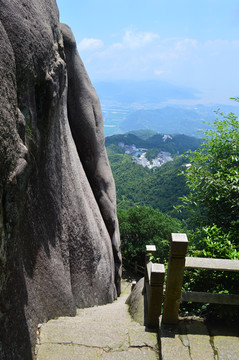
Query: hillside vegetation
{"type": "Point", "coordinates": [175, 144]}
{"type": "Point", "coordinates": [159, 188]}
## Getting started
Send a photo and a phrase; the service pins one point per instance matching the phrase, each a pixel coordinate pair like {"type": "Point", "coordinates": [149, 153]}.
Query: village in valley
{"type": "Point", "coordinates": [139, 156]}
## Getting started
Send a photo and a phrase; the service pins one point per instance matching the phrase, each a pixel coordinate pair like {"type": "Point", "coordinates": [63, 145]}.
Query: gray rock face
{"type": "Point", "coordinates": [136, 303]}
{"type": "Point", "coordinates": [59, 238]}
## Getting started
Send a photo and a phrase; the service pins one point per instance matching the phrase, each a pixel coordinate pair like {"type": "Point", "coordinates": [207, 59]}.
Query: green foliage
{"type": "Point", "coordinates": [213, 201]}
{"type": "Point", "coordinates": [213, 178]}
{"type": "Point", "coordinates": [144, 134]}
{"type": "Point", "coordinates": [159, 188]}
{"type": "Point", "coordinates": [141, 226]}
{"type": "Point", "coordinates": [213, 242]}
{"type": "Point", "coordinates": [127, 139]}
{"type": "Point", "coordinates": [175, 144]}
{"type": "Point", "coordinates": [114, 149]}
{"type": "Point", "coordinates": [154, 259]}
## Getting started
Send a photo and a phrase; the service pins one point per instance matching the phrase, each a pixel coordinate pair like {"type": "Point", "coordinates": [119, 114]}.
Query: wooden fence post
{"type": "Point", "coordinates": [155, 294]}
{"type": "Point", "coordinates": [150, 249]}
{"type": "Point", "coordinates": [176, 264]}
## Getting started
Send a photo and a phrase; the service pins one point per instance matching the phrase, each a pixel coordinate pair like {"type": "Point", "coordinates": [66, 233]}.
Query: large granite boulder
{"type": "Point", "coordinates": [136, 302]}
{"type": "Point", "coordinates": [59, 238]}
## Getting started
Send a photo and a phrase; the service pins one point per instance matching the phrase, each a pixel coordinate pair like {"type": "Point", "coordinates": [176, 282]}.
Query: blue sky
{"type": "Point", "coordinates": [185, 42]}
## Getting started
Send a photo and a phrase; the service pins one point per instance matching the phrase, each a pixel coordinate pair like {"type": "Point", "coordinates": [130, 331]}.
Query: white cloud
{"type": "Point", "coordinates": [146, 55]}
{"type": "Point", "coordinates": [143, 54]}
{"type": "Point", "coordinates": [90, 44]}
{"type": "Point", "coordinates": [133, 40]}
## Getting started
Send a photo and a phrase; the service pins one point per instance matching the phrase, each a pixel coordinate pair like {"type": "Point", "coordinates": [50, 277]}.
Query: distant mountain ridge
{"type": "Point", "coordinates": [156, 105]}
{"type": "Point", "coordinates": [174, 120]}
{"type": "Point", "coordinates": [174, 144]}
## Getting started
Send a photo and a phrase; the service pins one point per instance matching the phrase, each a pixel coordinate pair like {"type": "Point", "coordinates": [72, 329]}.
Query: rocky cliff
{"type": "Point", "coordinates": [59, 238]}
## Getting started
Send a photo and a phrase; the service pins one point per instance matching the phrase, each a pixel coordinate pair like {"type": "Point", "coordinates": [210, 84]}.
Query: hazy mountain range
{"type": "Point", "coordinates": [174, 144]}
{"type": "Point", "coordinates": [144, 93]}
{"type": "Point", "coordinates": [153, 105]}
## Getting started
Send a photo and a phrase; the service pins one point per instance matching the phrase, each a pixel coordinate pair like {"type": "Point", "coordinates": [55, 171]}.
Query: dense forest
{"type": "Point", "coordinates": [159, 188]}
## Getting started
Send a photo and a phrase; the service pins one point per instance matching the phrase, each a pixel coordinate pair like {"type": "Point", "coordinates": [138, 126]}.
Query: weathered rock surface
{"type": "Point", "coordinates": [136, 301]}
{"type": "Point", "coordinates": [58, 226]}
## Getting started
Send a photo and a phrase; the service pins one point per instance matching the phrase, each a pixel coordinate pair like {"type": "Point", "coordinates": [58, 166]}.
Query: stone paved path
{"type": "Point", "coordinates": [109, 333]}
{"type": "Point", "coordinates": [191, 339]}
{"type": "Point", "coordinates": [103, 332]}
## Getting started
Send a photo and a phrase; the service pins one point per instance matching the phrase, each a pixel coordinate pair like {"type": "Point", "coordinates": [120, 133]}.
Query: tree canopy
{"type": "Point", "coordinates": [213, 200]}
{"type": "Point", "coordinates": [141, 226]}
{"type": "Point", "coordinates": [213, 176]}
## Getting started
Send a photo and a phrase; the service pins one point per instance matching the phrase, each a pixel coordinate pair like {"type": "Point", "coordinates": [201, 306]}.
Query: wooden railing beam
{"type": "Point", "coordinates": [211, 264]}
{"type": "Point", "coordinates": [203, 297]}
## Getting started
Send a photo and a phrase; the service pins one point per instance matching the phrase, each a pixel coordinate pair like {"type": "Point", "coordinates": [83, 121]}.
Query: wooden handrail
{"type": "Point", "coordinates": [211, 264]}
{"type": "Point", "coordinates": [203, 297]}
{"type": "Point", "coordinates": [154, 281]}
{"type": "Point", "coordinates": [177, 263]}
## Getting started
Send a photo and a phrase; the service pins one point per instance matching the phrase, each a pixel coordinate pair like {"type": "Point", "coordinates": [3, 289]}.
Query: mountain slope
{"type": "Point", "coordinates": [172, 143]}
{"type": "Point", "coordinates": [159, 188]}
{"type": "Point", "coordinates": [169, 119]}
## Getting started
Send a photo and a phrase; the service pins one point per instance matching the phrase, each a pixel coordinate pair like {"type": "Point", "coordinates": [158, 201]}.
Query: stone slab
{"type": "Point", "coordinates": [171, 344]}
{"type": "Point", "coordinates": [67, 352]}
{"type": "Point", "coordinates": [226, 348]}
{"type": "Point", "coordinates": [199, 340]}
{"type": "Point", "coordinates": [132, 354]}
{"type": "Point", "coordinates": [192, 339]}
{"type": "Point", "coordinates": [103, 332]}
{"type": "Point", "coordinates": [137, 337]}
{"type": "Point", "coordinates": [226, 341]}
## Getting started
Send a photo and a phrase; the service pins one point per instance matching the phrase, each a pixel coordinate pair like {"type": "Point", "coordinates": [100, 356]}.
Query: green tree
{"type": "Point", "coordinates": [213, 177]}
{"type": "Point", "coordinates": [141, 226]}
{"type": "Point", "coordinates": [213, 202]}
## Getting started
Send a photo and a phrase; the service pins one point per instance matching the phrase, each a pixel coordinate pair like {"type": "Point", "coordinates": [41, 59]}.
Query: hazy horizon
{"type": "Point", "coordinates": [185, 43]}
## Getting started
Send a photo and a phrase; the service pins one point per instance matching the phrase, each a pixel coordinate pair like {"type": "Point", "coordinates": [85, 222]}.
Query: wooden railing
{"type": "Point", "coordinates": [135, 268]}
{"type": "Point", "coordinates": [176, 265]}
{"type": "Point", "coordinates": [154, 282]}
